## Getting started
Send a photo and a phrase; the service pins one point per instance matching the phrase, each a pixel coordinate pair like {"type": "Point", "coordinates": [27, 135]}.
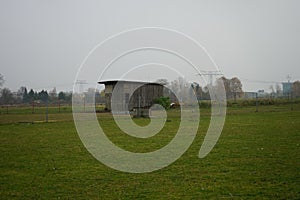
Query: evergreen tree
{"type": "Point", "coordinates": [31, 95]}
{"type": "Point", "coordinates": [43, 96]}
{"type": "Point", "coordinates": [61, 96]}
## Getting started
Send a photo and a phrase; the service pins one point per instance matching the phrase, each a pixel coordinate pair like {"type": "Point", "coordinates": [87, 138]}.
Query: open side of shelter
{"type": "Point", "coordinates": [131, 96]}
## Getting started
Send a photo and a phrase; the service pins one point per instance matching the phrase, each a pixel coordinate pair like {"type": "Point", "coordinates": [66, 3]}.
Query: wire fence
{"type": "Point", "coordinates": [43, 108]}
{"type": "Point", "coordinates": [256, 104]}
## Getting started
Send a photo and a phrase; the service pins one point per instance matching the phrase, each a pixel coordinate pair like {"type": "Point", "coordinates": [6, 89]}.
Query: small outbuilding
{"type": "Point", "coordinates": [134, 96]}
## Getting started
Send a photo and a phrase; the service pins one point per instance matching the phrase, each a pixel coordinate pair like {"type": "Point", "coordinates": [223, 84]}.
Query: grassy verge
{"type": "Point", "coordinates": [257, 157]}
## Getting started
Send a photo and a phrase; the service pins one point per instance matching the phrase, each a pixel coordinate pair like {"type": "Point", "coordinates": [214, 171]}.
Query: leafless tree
{"type": "Point", "coordinates": [296, 89]}
{"type": "Point", "coordinates": [1, 80]}
{"type": "Point", "coordinates": [278, 89]}
{"type": "Point", "coordinates": [236, 87]}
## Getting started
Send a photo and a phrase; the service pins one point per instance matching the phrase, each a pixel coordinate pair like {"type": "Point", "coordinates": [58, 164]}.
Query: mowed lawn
{"type": "Point", "coordinates": [256, 157]}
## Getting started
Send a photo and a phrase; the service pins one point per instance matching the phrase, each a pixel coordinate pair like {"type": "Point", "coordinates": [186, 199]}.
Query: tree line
{"type": "Point", "coordinates": [233, 88]}
{"type": "Point", "coordinates": [23, 96]}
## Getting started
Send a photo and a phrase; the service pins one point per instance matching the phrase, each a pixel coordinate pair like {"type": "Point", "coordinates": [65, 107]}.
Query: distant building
{"type": "Point", "coordinates": [250, 95]}
{"type": "Point", "coordinates": [261, 93]}
{"type": "Point", "coordinates": [142, 98]}
{"type": "Point", "coordinates": [286, 88]}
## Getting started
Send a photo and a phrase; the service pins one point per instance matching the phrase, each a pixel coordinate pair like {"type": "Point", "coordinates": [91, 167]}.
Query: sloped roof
{"type": "Point", "coordinates": [108, 82]}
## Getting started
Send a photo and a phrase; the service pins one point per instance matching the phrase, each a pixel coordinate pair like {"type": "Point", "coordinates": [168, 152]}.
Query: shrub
{"type": "Point", "coordinates": [163, 101]}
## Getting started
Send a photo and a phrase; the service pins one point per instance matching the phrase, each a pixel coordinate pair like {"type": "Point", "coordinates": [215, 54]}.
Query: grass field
{"type": "Point", "coordinates": [257, 157]}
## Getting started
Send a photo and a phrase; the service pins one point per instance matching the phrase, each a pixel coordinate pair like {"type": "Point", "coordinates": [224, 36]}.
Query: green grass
{"type": "Point", "coordinates": [257, 157]}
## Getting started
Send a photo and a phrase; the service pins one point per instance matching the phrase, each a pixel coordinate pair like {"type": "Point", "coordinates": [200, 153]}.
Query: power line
{"type": "Point", "coordinates": [288, 77]}
{"type": "Point", "coordinates": [81, 83]}
{"type": "Point", "coordinates": [210, 75]}
{"type": "Point", "coordinates": [260, 81]}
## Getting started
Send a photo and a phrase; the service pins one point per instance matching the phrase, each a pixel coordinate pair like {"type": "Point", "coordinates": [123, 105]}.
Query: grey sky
{"type": "Point", "coordinates": [42, 43]}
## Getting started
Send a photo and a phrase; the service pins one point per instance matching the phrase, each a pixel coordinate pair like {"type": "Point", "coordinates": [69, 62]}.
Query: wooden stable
{"type": "Point", "coordinates": [132, 96]}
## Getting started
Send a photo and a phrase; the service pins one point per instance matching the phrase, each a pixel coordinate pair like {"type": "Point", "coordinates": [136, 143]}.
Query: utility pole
{"type": "Point", "coordinates": [80, 84]}
{"type": "Point", "coordinates": [290, 97]}
{"type": "Point", "coordinates": [289, 78]}
{"type": "Point", "coordinates": [210, 75]}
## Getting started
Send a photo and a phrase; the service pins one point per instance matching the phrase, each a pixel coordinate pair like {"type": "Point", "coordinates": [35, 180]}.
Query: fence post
{"type": "Point", "coordinates": [59, 105]}
{"type": "Point", "coordinates": [256, 103]}
{"type": "Point", "coordinates": [83, 103]}
{"type": "Point", "coordinates": [47, 110]}
{"type": "Point", "coordinates": [291, 101]}
{"type": "Point", "coordinates": [32, 110]}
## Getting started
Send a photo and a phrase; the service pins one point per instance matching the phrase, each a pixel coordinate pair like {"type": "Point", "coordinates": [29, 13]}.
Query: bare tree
{"type": "Point", "coordinates": [272, 91]}
{"type": "Point", "coordinates": [278, 89]}
{"type": "Point", "coordinates": [1, 80]}
{"type": "Point", "coordinates": [6, 96]}
{"type": "Point", "coordinates": [236, 87]}
{"type": "Point", "coordinates": [296, 89]}
{"type": "Point", "coordinates": [197, 90]}
{"type": "Point", "coordinates": [233, 87]}
{"type": "Point", "coordinates": [53, 94]}
{"type": "Point", "coordinates": [182, 88]}
{"type": "Point", "coordinates": [226, 83]}
{"type": "Point", "coordinates": [22, 92]}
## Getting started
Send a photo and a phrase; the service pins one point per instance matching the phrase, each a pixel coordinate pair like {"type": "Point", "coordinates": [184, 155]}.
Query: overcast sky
{"type": "Point", "coordinates": [42, 43]}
